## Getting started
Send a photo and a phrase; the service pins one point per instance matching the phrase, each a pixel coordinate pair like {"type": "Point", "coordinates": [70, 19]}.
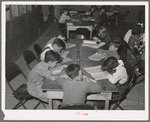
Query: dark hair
{"type": "Point", "coordinates": [109, 64]}
{"type": "Point", "coordinates": [116, 41]}
{"type": "Point", "coordinates": [104, 32]}
{"type": "Point", "coordinates": [72, 70]}
{"type": "Point", "coordinates": [52, 56]}
{"type": "Point", "coordinates": [137, 30]}
{"type": "Point", "coordinates": [65, 9]}
{"type": "Point", "coordinates": [60, 43]}
{"type": "Point", "coordinates": [94, 7]}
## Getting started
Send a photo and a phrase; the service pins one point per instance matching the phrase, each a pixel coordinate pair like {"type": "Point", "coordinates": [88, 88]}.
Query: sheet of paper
{"type": "Point", "coordinates": [98, 75]}
{"type": "Point", "coordinates": [89, 42]}
{"type": "Point", "coordinates": [69, 23]}
{"type": "Point", "coordinates": [93, 69]}
{"type": "Point", "coordinates": [66, 59]}
{"type": "Point", "coordinates": [97, 56]}
{"type": "Point", "coordinates": [65, 53]}
{"type": "Point", "coordinates": [70, 45]}
{"type": "Point", "coordinates": [96, 72]}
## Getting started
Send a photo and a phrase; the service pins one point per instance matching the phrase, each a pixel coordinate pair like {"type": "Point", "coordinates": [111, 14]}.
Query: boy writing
{"type": "Point", "coordinates": [43, 72]}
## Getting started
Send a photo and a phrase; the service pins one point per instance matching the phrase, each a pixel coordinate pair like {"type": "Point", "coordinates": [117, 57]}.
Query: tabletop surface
{"type": "Point", "coordinates": [79, 55]}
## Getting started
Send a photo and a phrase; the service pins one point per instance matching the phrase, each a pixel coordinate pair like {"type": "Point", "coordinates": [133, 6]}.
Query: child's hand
{"type": "Point", "coordinates": [86, 79]}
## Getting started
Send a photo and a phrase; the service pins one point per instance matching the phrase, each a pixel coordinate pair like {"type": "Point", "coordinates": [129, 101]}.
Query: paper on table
{"type": "Point", "coordinates": [70, 45]}
{"type": "Point", "coordinates": [69, 23]}
{"type": "Point", "coordinates": [66, 59]}
{"type": "Point", "coordinates": [64, 54]}
{"type": "Point", "coordinates": [97, 56]}
{"type": "Point", "coordinates": [98, 75]}
{"type": "Point", "coordinates": [89, 42]}
{"type": "Point", "coordinates": [96, 72]}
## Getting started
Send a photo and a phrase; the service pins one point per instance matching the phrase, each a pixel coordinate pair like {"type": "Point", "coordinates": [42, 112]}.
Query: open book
{"type": "Point", "coordinates": [89, 42]}
{"type": "Point", "coordinates": [70, 45]}
{"type": "Point", "coordinates": [58, 69]}
{"type": "Point", "coordinates": [96, 72]}
{"type": "Point", "coordinates": [65, 53]}
{"type": "Point", "coordinates": [97, 56]}
{"type": "Point", "coordinates": [66, 59]}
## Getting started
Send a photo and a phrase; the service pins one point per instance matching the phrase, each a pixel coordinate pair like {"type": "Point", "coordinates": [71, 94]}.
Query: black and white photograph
{"type": "Point", "coordinates": [75, 60]}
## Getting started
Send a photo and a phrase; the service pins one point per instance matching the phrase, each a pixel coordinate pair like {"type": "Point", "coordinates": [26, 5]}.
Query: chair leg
{"type": "Point", "coordinates": [43, 105]}
{"type": "Point", "coordinates": [37, 105]}
{"type": "Point", "coordinates": [21, 103]}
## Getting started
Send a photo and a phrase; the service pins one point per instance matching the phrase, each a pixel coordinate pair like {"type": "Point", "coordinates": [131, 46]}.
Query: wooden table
{"type": "Point", "coordinates": [80, 22]}
{"type": "Point", "coordinates": [80, 55]}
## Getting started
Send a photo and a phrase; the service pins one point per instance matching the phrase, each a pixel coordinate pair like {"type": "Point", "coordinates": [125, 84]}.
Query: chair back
{"type": "Point", "coordinates": [37, 49]}
{"type": "Point", "coordinates": [29, 57]}
{"type": "Point", "coordinates": [76, 107]}
{"type": "Point", "coordinates": [131, 78]}
{"type": "Point", "coordinates": [126, 15]}
{"type": "Point", "coordinates": [12, 71]}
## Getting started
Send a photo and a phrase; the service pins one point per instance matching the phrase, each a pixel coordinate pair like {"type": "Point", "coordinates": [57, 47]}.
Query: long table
{"type": "Point", "coordinates": [80, 55]}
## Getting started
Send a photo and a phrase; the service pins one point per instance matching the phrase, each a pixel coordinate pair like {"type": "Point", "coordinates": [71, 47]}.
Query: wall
{"type": "Point", "coordinates": [23, 31]}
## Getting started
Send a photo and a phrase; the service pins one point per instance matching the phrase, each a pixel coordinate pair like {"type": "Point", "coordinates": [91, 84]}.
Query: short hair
{"type": "Point", "coordinates": [65, 9]}
{"type": "Point", "coordinates": [104, 32]}
{"type": "Point", "coordinates": [52, 56]}
{"type": "Point", "coordinates": [72, 70]}
{"type": "Point", "coordinates": [94, 7]}
{"type": "Point", "coordinates": [109, 64]}
{"type": "Point", "coordinates": [116, 41]}
{"type": "Point", "coordinates": [137, 30]}
{"type": "Point", "coordinates": [60, 43]}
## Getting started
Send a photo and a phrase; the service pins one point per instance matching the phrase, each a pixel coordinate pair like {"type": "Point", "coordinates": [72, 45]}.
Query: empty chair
{"type": "Point", "coordinates": [131, 83]}
{"type": "Point", "coordinates": [29, 58]}
{"type": "Point", "coordinates": [37, 49]}
{"type": "Point", "coordinates": [76, 107]}
{"type": "Point", "coordinates": [20, 93]}
{"type": "Point", "coordinates": [83, 31]}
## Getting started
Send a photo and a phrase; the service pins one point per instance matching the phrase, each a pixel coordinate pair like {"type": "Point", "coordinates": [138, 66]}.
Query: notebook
{"type": "Point", "coordinates": [89, 42]}
{"type": "Point", "coordinates": [97, 56]}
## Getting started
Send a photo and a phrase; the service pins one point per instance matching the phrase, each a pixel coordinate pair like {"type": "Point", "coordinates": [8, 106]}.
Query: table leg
{"type": "Point", "coordinates": [90, 34]}
{"type": "Point", "coordinates": [67, 33]}
{"type": "Point", "coordinates": [107, 104]}
{"type": "Point", "coordinates": [50, 102]}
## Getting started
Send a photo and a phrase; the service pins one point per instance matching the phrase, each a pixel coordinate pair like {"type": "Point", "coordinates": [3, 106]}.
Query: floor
{"type": "Point", "coordinates": [135, 99]}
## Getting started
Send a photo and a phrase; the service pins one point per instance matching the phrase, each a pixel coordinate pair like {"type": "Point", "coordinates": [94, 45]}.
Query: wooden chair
{"type": "Point", "coordinates": [29, 58]}
{"type": "Point", "coordinates": [131, 83]}
{"type": "Point", "coordinates": [20, 93]}
{"type": "Point", "coordinates": [76, 107]}
{"type": "Point", "coordinates": [38, 50]}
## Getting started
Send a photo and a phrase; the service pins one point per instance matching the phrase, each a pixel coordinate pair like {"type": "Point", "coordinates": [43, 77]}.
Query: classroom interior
{"type": "Point", "coordinates": [27, 25]}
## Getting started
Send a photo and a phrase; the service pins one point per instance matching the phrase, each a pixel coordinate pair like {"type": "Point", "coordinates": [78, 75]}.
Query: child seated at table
{"type": "Point", "coordinates": [113, 47]}
{"type": "Point", "coordinates": [102, 38]}
{"type": "Point", "coordinates": [74, 87]}
{"type": "Point", "coordinates": [116, 73]}
{"type": "Point", "coordinates": [103, 16]}
{"type": "Point", "coordinates": [55, 44]}
{"type": "Point", "coordinates": [63, 18]}
{"type": "Point", "coordinates": [41, 73]}
{"type": "Point", "coordinates": [95, 14]}
{"type": "Point", "coordinates": [134, 39]}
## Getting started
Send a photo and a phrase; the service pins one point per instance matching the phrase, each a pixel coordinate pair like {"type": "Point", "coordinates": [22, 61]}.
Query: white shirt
{"type": "Point", "coordinates": [127, 36]}
{"type": "Point", "coordinates": [49, 47]}
{"type": "Point", "coordinates": [120, 74]}
{"type": "Point", "coordinates": [63, 18]}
